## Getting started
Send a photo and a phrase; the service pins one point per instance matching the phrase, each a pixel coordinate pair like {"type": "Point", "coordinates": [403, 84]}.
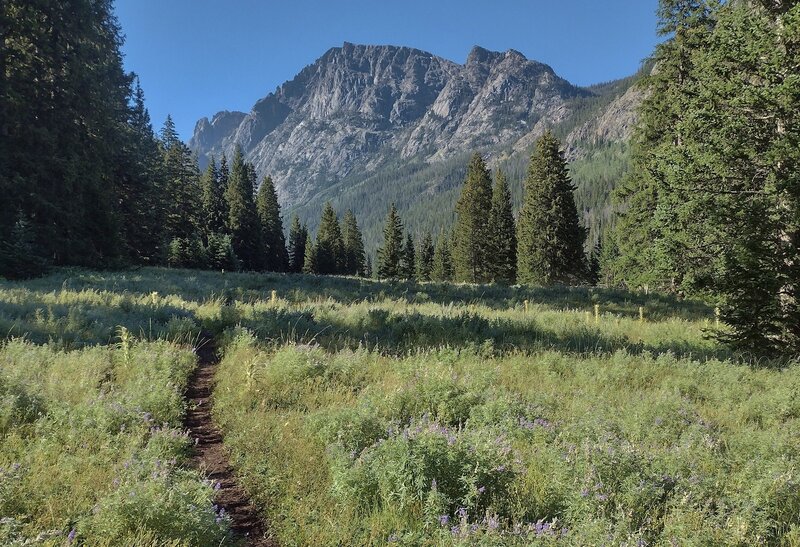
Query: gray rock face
{"type": "Point", "coordinates": [360, 108]}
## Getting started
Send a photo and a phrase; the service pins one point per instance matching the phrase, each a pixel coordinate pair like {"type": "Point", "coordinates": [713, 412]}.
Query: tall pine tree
{"type": "Point", "coordinates": [408, 258]}
{"type": "Point", "coordinates": [472, 244]}
{"type": "Point", "coordinates": [243, 222]}
{"type": "Point", "coordinates": [297, 245]}
{"type": "Point", "coordinates": [272, 238]}
{"type": "Point", "coordinates": [329, 246]}
{"type": "Point", "coordinates": [550, 238]}
{"type": "Point", "coordinates": [503, 233]}
{"type": "Point", "coordinates": [213, 201]}
{"type": "Point", "coordinates": [389, 255]}
{"type": "Point", "coordinates": [354, 258]}
{"type": "Point", "coordinates": [425, 258]}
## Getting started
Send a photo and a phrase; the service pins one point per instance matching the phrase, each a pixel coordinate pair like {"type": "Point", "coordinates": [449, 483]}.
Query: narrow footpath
{"type": "Point", "coordinates": [210, 455]}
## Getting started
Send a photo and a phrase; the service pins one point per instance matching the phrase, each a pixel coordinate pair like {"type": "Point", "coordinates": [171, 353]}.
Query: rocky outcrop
{"type": "Point", "coordinates": [360, 108]}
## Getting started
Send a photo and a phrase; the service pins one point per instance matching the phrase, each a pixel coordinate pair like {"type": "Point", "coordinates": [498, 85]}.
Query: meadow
{"type": "Point", "coordinates": [359, 412]}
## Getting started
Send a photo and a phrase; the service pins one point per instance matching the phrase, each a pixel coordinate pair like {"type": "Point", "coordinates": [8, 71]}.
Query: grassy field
{"type": "Point", "coordinates": [358, 412]}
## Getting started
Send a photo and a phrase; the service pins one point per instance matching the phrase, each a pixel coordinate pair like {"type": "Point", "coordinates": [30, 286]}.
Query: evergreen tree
{"type": "Point", "coordinates": [219, 253]}
{"type": "Point", "coordinates": [269, 214]}
{"type": "Point", "coordinates": [139, 203]}
{"type": "Point", "coordinates": [425, 258]}
{"type": "Point", "coordinates": [243, 220]}
{"type": "Point", "coordinates": [213, 201]}
{"type": "Point", "coordinates": [550, 248]}
{"type": "Point", "coordinates": [472, 244]}
{"type": "Point", "coordinates": [368, 268]}
{"type": "Point", "coordinates": [310, 262]}
{"type": "Point", "coordinates": [18, 255]}
{"type": "Point", "coordinates": [297, 245]}
{"type": "Point", "coordinates": [408, 257]}
{"type": "Point", "coordinates": [182, 180]}
{"type": "Point", "coordinates": [66, 134]}
{"type": "Point", "coordinates": [354, 257]}
{"type": "Point", "coordinates": [223, 175]}
{"type": "Point", "coordinates": [503, 236]}
{"type": "Point", "coordinates": [442, 260]}
{"type": "Point", "coordinates": [390, 253]}
{"type": "Point", "coordinates": [329, 248]}
{"type": "Point", "coordinates": [650, 233]}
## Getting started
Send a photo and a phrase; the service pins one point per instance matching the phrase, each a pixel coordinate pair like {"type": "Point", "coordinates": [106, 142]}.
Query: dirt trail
{"type": "Point", "coordinates": [210, 455]}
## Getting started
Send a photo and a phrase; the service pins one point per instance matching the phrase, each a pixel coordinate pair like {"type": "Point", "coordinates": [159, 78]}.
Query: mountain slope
{"type": "Point", "coordinates": [367, 125]}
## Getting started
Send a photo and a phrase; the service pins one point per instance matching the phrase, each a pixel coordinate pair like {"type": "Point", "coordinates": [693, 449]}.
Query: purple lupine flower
{"type": "Point", "coordinates": [71, 535]}
{"type": "Point", "coordinates": [584, 492]}
{"type": "Point", "coordinates": [493, 523]}
{"type": "Point", "coordinates": [462, 512]}
{"type": "Point", "coordinates": [444, 520]}
{"type": "Point", "coordinates": [481, 490]}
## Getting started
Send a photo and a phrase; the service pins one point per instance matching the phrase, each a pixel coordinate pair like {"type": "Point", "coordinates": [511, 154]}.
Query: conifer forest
{"type": "Point", "coordinates": [587, 334]}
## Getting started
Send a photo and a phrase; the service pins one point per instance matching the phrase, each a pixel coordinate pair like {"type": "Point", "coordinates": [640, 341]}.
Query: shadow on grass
{"type": "Point", "coordinates": [198, 286]}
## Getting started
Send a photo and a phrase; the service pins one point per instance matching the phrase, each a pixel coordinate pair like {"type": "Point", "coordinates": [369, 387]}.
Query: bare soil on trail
{"type": "Point", "coordinates": [211, 457]}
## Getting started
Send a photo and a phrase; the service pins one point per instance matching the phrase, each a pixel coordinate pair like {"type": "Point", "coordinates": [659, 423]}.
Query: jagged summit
{"type": "Point", "coordinates": [359, 107]}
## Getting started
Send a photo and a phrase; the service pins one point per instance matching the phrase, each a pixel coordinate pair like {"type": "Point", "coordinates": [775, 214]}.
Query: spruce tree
{"type": "Point", "coordinates": [269, 215]}
{"type": "Point", "coordinates": [182, 181]}
{"type": "Point", "coordinates": [442, 260]}
{"type": "Point", "coordinates": [329, 248]}
{"type": "Point", "coordinates": [550, 238]}
{"type": "Point", "coordinates": [310, 265]}
{"type": "Point", "coordinates": [354, 257]}
{"type": "Point", "coordinates": [390, 253]}
{"type": "Point", "coordinates": [243, 222]}
{"type": "Point", "coordinates": [472, 244]}
{"type": "Point", "coordinates": [425, 258]}
{"type": "Point", "coordinates": [408, 258]}
{"type": "Point", "coordinates": [297, 245]}
{"type": "Point", "coordinates": [213, 201]}
{"type": "Point", "coordinates": [223, 175]}
{"type": "Point", "coordinates": [503, 233]}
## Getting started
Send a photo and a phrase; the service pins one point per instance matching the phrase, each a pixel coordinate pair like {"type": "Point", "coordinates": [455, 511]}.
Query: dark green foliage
{"type": "Point", "coordinates": [502, 258]}
{"type": "Point", "coordinates": [214, 208]}
{"type": "Point", "coordinates": [219, 254]}
{"type": "Point", "coordinates": [310, 262]}
{"type": "Point", "coordinates": [442, 260]}
{"type": "Point", "coordinates": [140, 207]}
{"type": "Point", "coordinates": [425, 258]}
{"type": "Point", "coordinates": [186, 253]}
{"type": "Point", "coordinates": [408, 258]}
{"type": "Point", "coordinates": [298, 234]}
{"type": "Point", "coordinates": [354, 258]}
{"type": "Point", "coordinates": [712, 201]}
{"type": "Point", "coordinates": [550, 248]}
{"type": "Point", "coordinates": [182, 183]}
{"type": "Point", "coordinates": [18, 258]}
{"type": "Point", "coordinates": [272, 238]}
{"type": "Point", "coordinates": [66, 138]}
{"type": "Point", "coordinates": [473, 242]}
{"type": "Point", "coordinates": [243, 222]}
{"type": "Point", "coordinates": [368, 268]}
{"type": "Point", "coordinates": [390, 254]}
{"type": "Point", "coordinates": [329, 247]}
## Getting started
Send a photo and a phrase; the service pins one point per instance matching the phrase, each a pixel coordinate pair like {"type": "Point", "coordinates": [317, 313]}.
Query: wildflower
{"type": "Point", "coordinates": [462, 512]}
{"type": "Point", "coordinates": [444, 520]}
{"type": "Point", "coordinates": [584, 492]}
{"type": "Point", "coordinates": [481, 490]}
{"type": "Point", "coordinates": [493, 523]}
{"type": "Point", "coordinates": [71, 535]}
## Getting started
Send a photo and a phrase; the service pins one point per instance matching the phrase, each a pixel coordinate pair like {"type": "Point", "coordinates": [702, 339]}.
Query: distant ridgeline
{"type": "Point", "coordinates": [683, 178]}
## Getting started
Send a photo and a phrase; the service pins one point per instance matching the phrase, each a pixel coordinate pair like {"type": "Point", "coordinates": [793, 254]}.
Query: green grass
{"type": "Point", "coordinates": [363, 412]}
{"type": "Point", "coordinates": [92, 444]}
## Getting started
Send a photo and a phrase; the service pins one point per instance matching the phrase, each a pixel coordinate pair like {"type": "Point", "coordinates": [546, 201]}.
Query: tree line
{"type": "Point", "coordinates": [711, 204]}
{"type": "Point", "coordinates": [487, 244]}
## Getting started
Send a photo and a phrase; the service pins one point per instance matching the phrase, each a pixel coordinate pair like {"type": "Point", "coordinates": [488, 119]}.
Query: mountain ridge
{"type": "Point", "coordinates": [363, 113]}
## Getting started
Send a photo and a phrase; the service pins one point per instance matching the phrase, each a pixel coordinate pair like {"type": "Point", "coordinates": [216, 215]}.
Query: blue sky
{"type": "Point", "coordinates": [196, 57]}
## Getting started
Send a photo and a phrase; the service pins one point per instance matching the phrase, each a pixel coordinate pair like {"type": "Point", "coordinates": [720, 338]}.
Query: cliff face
{"type": "Point", "coordinates": [359, 108]}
